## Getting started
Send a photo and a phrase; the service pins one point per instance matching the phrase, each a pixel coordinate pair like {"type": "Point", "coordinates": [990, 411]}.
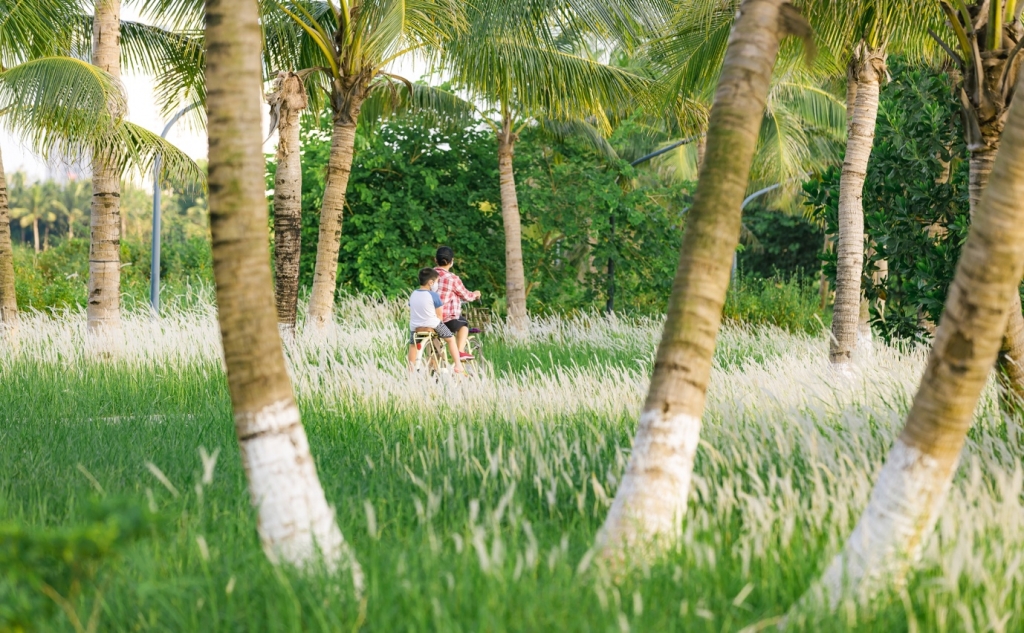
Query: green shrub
{"type": "Point", "coordinates": [791, 304]}
{"type": "Point", "coordinates": [45, 568]}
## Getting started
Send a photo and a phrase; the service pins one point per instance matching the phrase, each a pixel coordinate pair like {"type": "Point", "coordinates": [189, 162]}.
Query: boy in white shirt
{"type": "Point", "coordinates": [425, 312]}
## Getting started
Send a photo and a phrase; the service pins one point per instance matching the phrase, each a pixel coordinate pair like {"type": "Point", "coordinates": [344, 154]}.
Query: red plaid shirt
{"type": "Point", "coordinates": [453, 292]}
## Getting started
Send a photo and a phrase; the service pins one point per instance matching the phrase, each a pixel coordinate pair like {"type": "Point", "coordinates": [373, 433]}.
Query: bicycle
{"type": "Point", "coordinates": [432, 356]}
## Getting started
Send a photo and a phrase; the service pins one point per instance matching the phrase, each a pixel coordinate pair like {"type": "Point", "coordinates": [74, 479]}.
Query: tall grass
{"type": "Point", "coordinates": [472, 505]}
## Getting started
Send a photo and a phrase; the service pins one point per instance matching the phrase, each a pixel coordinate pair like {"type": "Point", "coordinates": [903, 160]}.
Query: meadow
{"type": "Point", "coordinates": [472, 505]}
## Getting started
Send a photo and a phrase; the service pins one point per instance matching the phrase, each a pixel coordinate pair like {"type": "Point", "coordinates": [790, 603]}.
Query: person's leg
{"type": "Point", "coordinates": [413, 350]}
{"type": "Point", "coordinates": [461, 329]}
{"type": "Point", "coordinates": [454, 351]}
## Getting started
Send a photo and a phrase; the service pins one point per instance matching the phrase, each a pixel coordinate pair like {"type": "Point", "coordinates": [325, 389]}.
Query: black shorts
{"type": "Point", "coordinates": [457, 324]}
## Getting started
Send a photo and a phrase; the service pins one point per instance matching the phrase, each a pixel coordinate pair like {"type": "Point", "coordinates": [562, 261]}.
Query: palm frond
{"type": "Point", "coordinates": [59, 104]}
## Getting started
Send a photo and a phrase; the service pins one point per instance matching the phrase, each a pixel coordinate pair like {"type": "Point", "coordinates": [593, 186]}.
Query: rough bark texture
{"type": "Point", "coordinates": [8, 300]}
{"type": "Point", "coordinates": [339, 168]}
{"type": "Point", "coordinates": [867, 68]}
{"type": "Point", "coordinates": [912, 485]}
{"type": "Point", "coordinates": [103, 308]}
{"type": "Point", "coordinates": [287, 101]}
{"type": "Point", "coordinates": [651, 499]}
{"type": "Point", "coordinates": [1010, 363]}
{"type": "Point", "coordinates": [515, 274]}
{"type": "Point", "coordinates": [296, 525]}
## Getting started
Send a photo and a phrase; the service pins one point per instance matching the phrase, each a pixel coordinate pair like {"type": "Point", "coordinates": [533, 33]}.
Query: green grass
{"type": "Point", "coordinates": [485, 505]}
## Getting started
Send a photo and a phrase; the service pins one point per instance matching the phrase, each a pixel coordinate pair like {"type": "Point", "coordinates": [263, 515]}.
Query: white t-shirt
{"type": "Point", "coordinates": [423, 306]}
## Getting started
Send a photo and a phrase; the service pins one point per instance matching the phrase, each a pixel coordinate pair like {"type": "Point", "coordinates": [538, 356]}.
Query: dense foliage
{"type": "Point", "coordinates": [414, 188]}
{"type": "Point", "coordinates": [915, 201]}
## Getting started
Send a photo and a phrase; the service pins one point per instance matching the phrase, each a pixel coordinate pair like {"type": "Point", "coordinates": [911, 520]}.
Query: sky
{"type": "Point", "coordinates": [143, 111]}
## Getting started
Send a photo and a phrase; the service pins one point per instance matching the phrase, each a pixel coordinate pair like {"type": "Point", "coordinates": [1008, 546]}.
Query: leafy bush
{"type": "Point", "coordinates": [43, 568]}
{"type": "Point", "coordinates": [789, 303]}
{"type": "Point", "coordinates": [786, 244]}
{"type": "Point", "coordinates": [414, 188]}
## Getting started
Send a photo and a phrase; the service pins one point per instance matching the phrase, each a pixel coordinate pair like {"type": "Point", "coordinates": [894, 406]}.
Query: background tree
{"type": "Point", "coordinates": [295, 523]}
{"type": "Point", "coordinates": [287, 100]}
{"type": "Point", "coordinates": [351, 45]}
{"type": "Point", "coordinates": [520, 58]}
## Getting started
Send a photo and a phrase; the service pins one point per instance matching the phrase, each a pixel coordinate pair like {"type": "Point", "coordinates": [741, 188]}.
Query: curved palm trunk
{"type": "Point", "coordinates": [288, 100]}
{"type": "Point", "coordinates": [515, 274]}
{"type": "Point", "coordinates": [1010, 363]}
{"type": "Point", "coordinates": [651, 499]}
{"type": "Point", "coordinates": [912, 485]}
{"type": "Point", "coordinates": [339, 168]}
{"type": "Point", "coordinates": [104, 300]}
{"type": "Point", "coordinates": [296, 525]}
{"type": "Point", "coordinates": [867, 68]}
{"type": "Point", "coordinates": [8, 299]}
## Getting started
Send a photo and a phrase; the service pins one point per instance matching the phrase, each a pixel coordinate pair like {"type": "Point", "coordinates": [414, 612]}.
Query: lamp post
{"type": "Point", "coordinates": [154, 266]}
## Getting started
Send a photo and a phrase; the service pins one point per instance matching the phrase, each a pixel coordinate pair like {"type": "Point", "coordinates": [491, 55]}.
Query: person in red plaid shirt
{"type": "Point", "coordinates": [453, 292]}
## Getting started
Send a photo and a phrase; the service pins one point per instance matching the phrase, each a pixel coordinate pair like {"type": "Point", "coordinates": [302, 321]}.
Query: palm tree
{"type": "Point", "coordinates": [33, 205]}
{"type": "Point", "coordinates": [287, 100]}
{"type": "Point", "coordinates": [46, 97]}
{"type": "Point", "coordinates": [350, 45]}
{"type": "Point", "coordinates": [516, 57]}
{"type": "Point", "coordinates": [103, 304]}
{"type": "Point", "coordinates": [295, 522]}
{"type": "Point", "coordinates": [986, 50]}
{"type": "Point", "coordinates": [72, 203]}
{"type": "Point", "coordinates": [913, 483]}
{"type": "Point", "coordinates": [870, 31]}
{"type": "Point", "coordinates": [651, 498]}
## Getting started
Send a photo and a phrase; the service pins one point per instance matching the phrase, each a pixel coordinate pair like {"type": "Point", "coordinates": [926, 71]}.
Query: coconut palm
{"type": "Point", "coordinates": [913, 483]}
{"type": "Point", "coordinates": [287, 100]}
{"type": "Point", "coordinates": [350, 45]}
{"type": "Point", "coordinates": [986, 45]}
{"type": "Point", "coordinates": [73, 203]}
{"type": "Point", "coordinates": [34, 204]}
{"type": "Point", "coordinates": [295, 522]}
{"type": "Point", "coordinates": [517, 58]}
{"type": "Point", "coordinates": [55, 102]}
{"type": "Point", "coordinates": [867, 32]}
{"type": "Point", "coordinates": [651, 498]}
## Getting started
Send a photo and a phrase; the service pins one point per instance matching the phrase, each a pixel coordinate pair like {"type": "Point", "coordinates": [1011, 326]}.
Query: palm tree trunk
{"type": "Point", "coordinates": [867, 69]}
{"type": "Point", "coordinates": [289, 99]}
{"type": "Point", "coordinates": [515, 274]}
{"type": "Point", "coordinates": [1010, 363]}
{"type": "Point", "coordinates": [339, 168]}
{"type": "Point", "coordinates": [104, 300]}
{"type": "Point", "coordinates": [651, 499]}
{"type": "Point", "coordinates": [912, 485]}
{"type": "Point", "coordinates": [295, 523]}
{"type": "Point", "coordinates": [35, 233]}
{"type": "Point", "coordinates": [8, 299]}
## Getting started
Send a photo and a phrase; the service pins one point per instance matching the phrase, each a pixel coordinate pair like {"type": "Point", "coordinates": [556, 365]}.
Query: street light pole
{"type": "Point", "coordinates": [154, 266]}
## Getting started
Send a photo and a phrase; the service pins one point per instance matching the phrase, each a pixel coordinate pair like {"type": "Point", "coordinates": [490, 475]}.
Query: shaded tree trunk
{"type": "Point", "coordinates": [913, 483]}
{"type": "Point", "coordinates": [515, 274]}
{"type": "Point", "coordinates": [287, 101]}
{"type": "Point", "coordinates": [103, 308]}
{"type": "Point", "coordinates": [1010, 363]}
{"type": "Point", "coordinates": [8, 299]}
{"type": "Point", "coordinates": [867, 68]}
{"type": "Point", "coordinates": [651, 500]}
{"type": "Point", "coordinates": [296, 525]}
{"type": "Point", "coordinates": [339, 168]}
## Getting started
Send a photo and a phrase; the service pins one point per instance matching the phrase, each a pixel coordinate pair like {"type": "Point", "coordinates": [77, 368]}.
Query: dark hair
{"type": "Point", "coordinates": [444, 256]}
{"type": "Point", "coordinates": [427, 275]}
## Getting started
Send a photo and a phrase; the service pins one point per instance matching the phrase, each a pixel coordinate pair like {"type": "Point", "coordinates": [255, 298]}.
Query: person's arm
{"type": "Point", "coordinates": [460, 291]}
{"type": "Point", "coordinates": [438, 309]}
